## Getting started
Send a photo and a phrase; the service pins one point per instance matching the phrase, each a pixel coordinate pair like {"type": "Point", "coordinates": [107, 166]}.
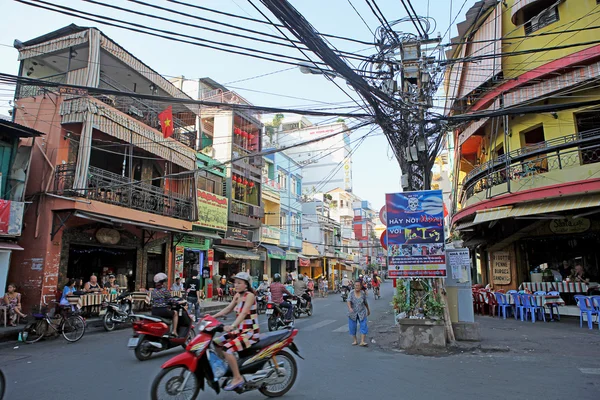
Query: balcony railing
{"type": "Point", "coordinates": [543, 161]}
{"type": "Point", "coordinates": [111, 188]}
{"type": "Point", "coordinates": [245, 209]}
{"type": "Point", "coordinates": [271, 184]}
{"type": "Point", "coordinates": [25, 91]}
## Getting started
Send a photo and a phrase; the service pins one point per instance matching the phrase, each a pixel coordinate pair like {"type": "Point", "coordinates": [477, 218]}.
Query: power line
{"type": "Point", "coordinates": [361, 17]}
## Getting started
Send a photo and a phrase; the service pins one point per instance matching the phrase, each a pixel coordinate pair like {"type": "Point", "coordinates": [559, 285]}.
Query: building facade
{"type": "Point", "coordinates": [526, 185]}
{"type": "Point", "coordinates": [110, 192]}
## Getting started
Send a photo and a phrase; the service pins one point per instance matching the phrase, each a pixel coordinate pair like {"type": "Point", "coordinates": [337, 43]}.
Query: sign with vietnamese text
{"type": "Point", "coordinates": [239, 234]}
{"type": "Point", "coordinates": [459, 262]}
{"type": "Point", "coordinates": [212, 210]}
{"type": "Point", "coordinates": [501, 267]}
{"type": "Point", "coordinates": [415, 234]}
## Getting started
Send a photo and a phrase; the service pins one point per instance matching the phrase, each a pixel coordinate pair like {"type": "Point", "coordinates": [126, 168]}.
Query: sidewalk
{"type": "Point", "coordinates": [94, 324]}
{"type": "Point", "coordinates": [553, 339]}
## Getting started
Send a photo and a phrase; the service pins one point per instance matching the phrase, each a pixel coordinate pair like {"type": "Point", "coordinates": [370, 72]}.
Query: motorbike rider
{"type": "Point", "coordinates": [160, 298]}
{"type": "Point", "coordinates": [300, 288]}
{"type": "Point", "coordinates": [264, 286]}
{"type": "Point", "coordinates": [277, 292]}
{"type": "Point", "coordinates": [243, 332]}
{"type": "Point", "coordinates": [375, 282]}
{"type": "Point", "coordinates": [346, 283]}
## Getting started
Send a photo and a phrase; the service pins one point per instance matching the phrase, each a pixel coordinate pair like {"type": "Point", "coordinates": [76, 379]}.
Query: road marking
{"type": "Point", "coordinates": [319, 325]}
{"type": "Point", "coordinates": [343, 328]}
{"type": "Point", "coordinates": [590, 371]}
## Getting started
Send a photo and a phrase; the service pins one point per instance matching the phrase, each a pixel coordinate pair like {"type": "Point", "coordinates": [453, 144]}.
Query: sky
{"type": "Point", "coordinates": [375, 169]}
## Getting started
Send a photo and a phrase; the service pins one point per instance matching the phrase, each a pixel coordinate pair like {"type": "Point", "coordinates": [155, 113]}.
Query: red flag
{"type": "Point", "coordinates": [445, 211]}
{"type": "Point", "coordinates": [166, 121]}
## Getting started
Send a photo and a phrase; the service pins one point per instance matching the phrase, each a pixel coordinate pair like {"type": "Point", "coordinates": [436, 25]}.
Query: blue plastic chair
{"type": "Point", "coordinates": [538, 307]}
{"type": "Point", "coordinates": [585, 306]}
{"type": "Point", "coordinates": [596, 305]}
{"type": "Point", "coordinates": [518, 306]}
{"type": "Point", "coordinates": [554, 306]}
{"type": "Point", "coordinates": [502, 304]}
{"type": "Point", "coordinates": [539, 293]}
{"type": "Point", "coordinates": [531, 307]}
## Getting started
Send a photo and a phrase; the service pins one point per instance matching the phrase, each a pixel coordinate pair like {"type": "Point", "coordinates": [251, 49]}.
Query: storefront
{"type": "Point", "coordinates": [291, 263]}
{"type": "Point", "coordinates": [304, 266]}
{"type": "Point", "coordinates": [231, 260]}
{"type": "Point", "coordinates": [275, 261]}
{"type": "Point", "coordinates": [192, 254]}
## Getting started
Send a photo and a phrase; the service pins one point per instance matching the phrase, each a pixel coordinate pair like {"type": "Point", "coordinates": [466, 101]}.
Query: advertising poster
{"type": "Point", "coordinates": [415, 234]}
{"type": "Point", "coordinates": [212, 210]}
{"type": "Point", "coordinates": [501, 268]}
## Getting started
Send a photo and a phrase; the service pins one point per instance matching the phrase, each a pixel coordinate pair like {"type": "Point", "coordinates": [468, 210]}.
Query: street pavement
{"type": "Point", "coordinates": [101, 367]}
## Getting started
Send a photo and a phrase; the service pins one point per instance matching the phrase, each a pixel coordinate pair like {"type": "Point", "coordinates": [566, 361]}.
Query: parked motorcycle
{"type": "Point", "coordinates": [152, 334]}
{"type": "Point", "coordinates": [265, 366]}
{"type": "Point", "coordinates": [261, 301]}
{"type": "Point", "coordinates": [303, 305]}
{"type": "Point", "coordinates": [276, 315]}
{"type": "Point", "coordinates": [118, 312]}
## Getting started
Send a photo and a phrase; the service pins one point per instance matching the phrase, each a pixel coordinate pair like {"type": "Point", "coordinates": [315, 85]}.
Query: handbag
{"type": "Point", "coordinates": [218, 366]}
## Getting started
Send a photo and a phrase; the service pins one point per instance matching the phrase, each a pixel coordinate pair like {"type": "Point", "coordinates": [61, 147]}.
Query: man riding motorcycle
{"type": "Point", "coordinates": [300, 289]}
{"type": "Point", "coordinates": [346, 283]}
{"type": "Point", "coordinates": [277, 292]}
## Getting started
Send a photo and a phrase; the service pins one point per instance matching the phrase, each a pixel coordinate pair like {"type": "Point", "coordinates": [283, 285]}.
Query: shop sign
{"type": "Point", "coordinates": [303, 262]}
{"type": "Point", "coordinates": [11, 217]}
{"type": "Point", "coordinates": [239, 234]}
{"type": "Point", "coordinates": [179, 255]}
{"type": "Point", "coordinates": [269, 232]}
{"type": "Point", "coordinates": [415, 234]}
{"type": "Point", "coordinates": [212, 210]}
{"type": "Point", "coordinates": [569, 225]}
{"type": "Point", "coordinates": [501, 267]}
{"type": "Point", "coordinates": [108, 236]}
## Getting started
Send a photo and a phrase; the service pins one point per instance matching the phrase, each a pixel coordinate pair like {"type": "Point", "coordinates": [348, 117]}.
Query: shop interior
{"type": "Point", "coordinates": [85, 261]}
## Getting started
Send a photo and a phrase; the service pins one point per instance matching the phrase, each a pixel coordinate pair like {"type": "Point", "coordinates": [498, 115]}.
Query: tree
{"type": "Point", "coordinates": [271, 127]}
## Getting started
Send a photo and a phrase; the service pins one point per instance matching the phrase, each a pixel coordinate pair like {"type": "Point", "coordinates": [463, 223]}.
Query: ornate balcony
{"type": "Point", "coordinates": [564, 159]}
{"type": "Point", "coordinates": [111, 188]}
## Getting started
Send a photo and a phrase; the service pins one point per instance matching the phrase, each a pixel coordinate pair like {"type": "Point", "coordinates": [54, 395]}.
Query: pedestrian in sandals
{"type": "Point", "coordinates": [358, 311]}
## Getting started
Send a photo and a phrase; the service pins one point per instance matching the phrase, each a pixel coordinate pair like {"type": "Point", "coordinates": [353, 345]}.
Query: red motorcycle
{"type": "Point", "coordinates": [152, 334]}
{"type": "Point", "coordinates": [265, 366]}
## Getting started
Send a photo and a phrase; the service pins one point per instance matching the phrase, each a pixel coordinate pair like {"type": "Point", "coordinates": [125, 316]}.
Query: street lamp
{"type": "Point", "coordinates": [308, 68]}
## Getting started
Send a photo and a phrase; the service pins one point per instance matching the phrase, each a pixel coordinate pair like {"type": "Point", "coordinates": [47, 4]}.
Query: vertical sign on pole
{"type": "Point", "coordinates": [415, 234]}
{"type": "Point", "coordinates": [210, 255]}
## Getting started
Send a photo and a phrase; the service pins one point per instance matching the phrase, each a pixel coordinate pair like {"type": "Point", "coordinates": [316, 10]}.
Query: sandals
{"type": "Point", "coordinates": [231, 387]}
{"type": "Point", "coordinates": [364, 344]}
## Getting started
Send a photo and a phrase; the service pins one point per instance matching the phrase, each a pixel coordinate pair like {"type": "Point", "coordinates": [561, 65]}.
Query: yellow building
{"type": "Point", "coordinates": [526, 190]}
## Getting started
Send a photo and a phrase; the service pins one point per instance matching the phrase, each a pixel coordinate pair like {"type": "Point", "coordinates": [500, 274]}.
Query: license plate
{"type": "Point", "coordinates": [133, 342]}
{"type": "Point", "coordinates": [270, 311]}
{"type": "Point", "coordinates": [294, 302]}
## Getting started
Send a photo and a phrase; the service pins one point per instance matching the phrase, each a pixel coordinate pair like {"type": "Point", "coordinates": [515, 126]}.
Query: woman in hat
{"type": "Point", "coordinates": [243, 332]}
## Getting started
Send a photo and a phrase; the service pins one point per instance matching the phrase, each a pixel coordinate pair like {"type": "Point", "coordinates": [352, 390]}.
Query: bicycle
{"type": "Point", "coordinates": [70, 325]}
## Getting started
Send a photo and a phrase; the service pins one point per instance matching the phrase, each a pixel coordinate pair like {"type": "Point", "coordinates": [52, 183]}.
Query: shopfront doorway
{"type": "Point", "coordinates": [85, 261]}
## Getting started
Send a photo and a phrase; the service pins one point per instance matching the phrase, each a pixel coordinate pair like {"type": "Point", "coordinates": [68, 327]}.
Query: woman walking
{"type": "Point", "coordinates": [358, 311]}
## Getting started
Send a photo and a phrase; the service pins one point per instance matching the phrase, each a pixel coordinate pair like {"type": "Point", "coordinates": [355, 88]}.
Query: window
{"type": "Point", "coordinates": [210, 183]}
{"type": "Point", "coordinates": [282, 180]}
{"type": "Point", "coordinates": [293, 184]}
{"type": "Point", "coordinates": [341, 203]}
{"type": "Point", "coordinates": [283, 220]}
{"type": "Point", "coordinates": [544, 18]}
{"type": "Point", "coordinates": [533, 136]}
{"type": "Point", "coordinates": [299, 224]}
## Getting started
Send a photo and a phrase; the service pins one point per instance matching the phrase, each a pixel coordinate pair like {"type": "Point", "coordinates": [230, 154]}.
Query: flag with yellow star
{"type": "Point", "coordinates": [166, 121]}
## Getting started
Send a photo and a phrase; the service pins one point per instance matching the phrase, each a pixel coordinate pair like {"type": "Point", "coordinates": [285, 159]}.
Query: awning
{"type": "Point", "coordinates": [231, 252]}
{"type": "Point", "coordinates": [492, 214]}
{"type": "Point", "coordinates": [10, 246]}
{"type": "Point", "coordinates": [274, 251]}
{"type": "Point", "coordinates": [203, 234]}
{"type": "Point", "coordinates": [556, 205]}
{"type": "Point", "coordinates": [291, 255]}
{"type": "Point", "coordinates": [113, 220]}
{"type": "Point", "coordinates": [303, 261]}
{"type": "Point", "coordinates": [309, 250]}
{"type": "Point", "coordinates": [465, 225]}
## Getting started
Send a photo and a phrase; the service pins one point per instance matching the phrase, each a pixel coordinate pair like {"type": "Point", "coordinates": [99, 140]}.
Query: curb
{"type": "Point", "coordinates": [93, 326]}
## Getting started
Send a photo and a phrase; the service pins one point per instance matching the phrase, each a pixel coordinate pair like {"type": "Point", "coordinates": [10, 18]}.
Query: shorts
{"type": "Point", "coordinates": [163, 312]}
{"type": "Point", "coordinates": [236, 341]}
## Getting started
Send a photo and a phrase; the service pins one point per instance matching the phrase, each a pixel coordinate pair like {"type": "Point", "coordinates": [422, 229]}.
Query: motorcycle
{"type": "Point", "coordinates": [376, 292]}
{"type": "Point", "coordinates": [118, 312]}
{"type": "Point", "coordinates": [261, 301]}
{"type": "Point", "coordinates": [303, 305]}
{"type": "Point", "coordinates": [276, 315]}
{"type": "Point", "coordinates": [265, 366]}
{"type": "Point", "coordinates": [345, 292]}
{"type": "Point", "coordinates": [152, 334]}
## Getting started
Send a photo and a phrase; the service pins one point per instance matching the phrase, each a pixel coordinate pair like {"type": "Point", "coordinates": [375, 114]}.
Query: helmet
{"type": "Point", "coordinates": [245, 277]}
{"type": "Point", "coordinates": [360, 276]}
{"type": "Point", "coordinates": [345, 275]}
{"type": "Point", "coordinates": [160, 277]}
{"type": "Point", "coordinates": [277, 278]}
{"type": "Point", "coordinates": [300, 276]}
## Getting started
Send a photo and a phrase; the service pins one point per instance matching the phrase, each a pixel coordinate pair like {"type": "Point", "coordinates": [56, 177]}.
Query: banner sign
{"type": "Point", "coordinates": [415, 234]}
{"type": "Point", "coordinates": [501, 268]}
{"type": "Point", "coordinates": [212, 210]}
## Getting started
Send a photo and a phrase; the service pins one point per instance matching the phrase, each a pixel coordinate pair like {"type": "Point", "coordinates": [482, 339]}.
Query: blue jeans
{"type": "Point", "coordinates": [364, 329]}
{"type": "Point", "coordinates": [289, 309]}
{"type": "Point", "coordinates": [193, 303]}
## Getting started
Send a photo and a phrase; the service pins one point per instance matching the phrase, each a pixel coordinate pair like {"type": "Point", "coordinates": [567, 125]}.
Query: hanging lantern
{"type": "Point", "coordinates": [251, 184]}
{"type": "Point", "coordinates": [244, 134]}
{"type": "Point", "coordinates": [237, 131]}
{"type": "Point", "coordinates": [245, 182]}
{"type": "Point", "coordinates": [251, 136]}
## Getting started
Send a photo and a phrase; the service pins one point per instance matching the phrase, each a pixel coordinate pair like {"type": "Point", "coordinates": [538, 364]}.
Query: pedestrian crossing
{"type": "Point", "coordinates": [307, 325]}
